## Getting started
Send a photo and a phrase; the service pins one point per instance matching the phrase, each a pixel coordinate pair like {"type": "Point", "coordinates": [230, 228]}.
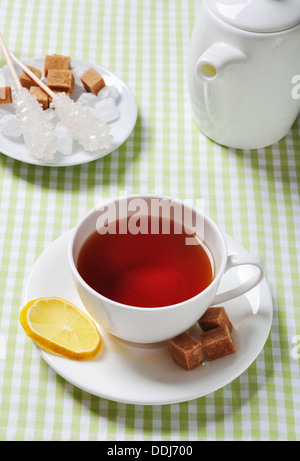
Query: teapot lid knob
{"type": "Point", "coordinates": [257, 15]}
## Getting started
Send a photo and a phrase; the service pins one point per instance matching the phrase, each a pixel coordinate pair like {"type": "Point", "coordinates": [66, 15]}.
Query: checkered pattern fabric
{"type": "Point", "coordinates": [253, 196]}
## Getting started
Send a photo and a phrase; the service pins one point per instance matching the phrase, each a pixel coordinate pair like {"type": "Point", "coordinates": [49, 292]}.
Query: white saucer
{"type": "Point", "coordinates": [120, 128]}
{"type": "Point", "coordinates": [146, 374]}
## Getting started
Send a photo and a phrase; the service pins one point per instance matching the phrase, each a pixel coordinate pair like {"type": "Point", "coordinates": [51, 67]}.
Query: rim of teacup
{"type": "Point", "coordinates": [101, 297]}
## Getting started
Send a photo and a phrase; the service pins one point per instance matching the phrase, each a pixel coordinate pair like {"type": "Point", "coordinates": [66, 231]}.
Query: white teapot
{"type": "Point", "coordinates": [243, 64]}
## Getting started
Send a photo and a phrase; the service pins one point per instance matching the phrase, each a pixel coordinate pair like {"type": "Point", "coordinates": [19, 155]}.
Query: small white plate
{"type": "Point", "coordinates": [146, 374]}
{"type": "Point", "coordinates": [120, 128]}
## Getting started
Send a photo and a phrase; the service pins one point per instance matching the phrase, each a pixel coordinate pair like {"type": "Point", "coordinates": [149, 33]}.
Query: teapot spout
{"type": "Point", "coordinates": [216, 59]}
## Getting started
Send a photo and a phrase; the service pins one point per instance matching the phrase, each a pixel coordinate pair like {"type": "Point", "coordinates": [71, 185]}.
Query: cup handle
{"type": "Point", "coordinates": [240, 260]}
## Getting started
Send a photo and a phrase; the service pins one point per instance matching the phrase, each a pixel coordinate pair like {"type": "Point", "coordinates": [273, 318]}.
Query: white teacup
{"type": "Point", "coordinates": [149, 325]}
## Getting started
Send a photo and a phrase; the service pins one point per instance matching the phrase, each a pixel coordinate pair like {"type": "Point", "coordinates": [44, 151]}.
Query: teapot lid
{"type": "Point", "coordinates": [258, 15]}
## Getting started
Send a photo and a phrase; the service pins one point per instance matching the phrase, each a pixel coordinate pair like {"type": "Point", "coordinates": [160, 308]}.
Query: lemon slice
{"type": "Point", "coordinates": [59, 326]}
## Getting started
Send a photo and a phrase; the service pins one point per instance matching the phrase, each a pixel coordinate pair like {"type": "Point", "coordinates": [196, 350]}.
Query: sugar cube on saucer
{"type": "Point", "coordinates": [56, 62]}
{"type": "Point", "coordinates": [92, 80]}
{"type": "Point", "coordinates": [186, 351]}
{"type": "Point", "coordinates": [27, 81]}
{"type": "Point", "coordinates": [5, 95]}
{"type": "Point", "coordinates": [41, 96]}
{"type": "Point", "coordinates": [214, 317]}
{"type": "Point", "coordinates": [60, 80]}
{"type": "Point", "coordinates": [217, 342]}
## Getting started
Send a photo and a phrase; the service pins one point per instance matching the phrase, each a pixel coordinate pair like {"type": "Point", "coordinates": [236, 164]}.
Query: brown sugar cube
{"type": "Point", "coordinates": [186, 351]}
{"type": "Point", "coordinates": [27, 81]}
{"type": "Point", "coordinates": [214, 317]}
{"type": "Point", "coordinates": [217, 342]}
{"type": "Point", "coordinates": [60, 80]}
{"type": "Point", "coordinates": [92, 81]}
{"type": "Point", "coordinates": [56, 62]}
{"type": "Point", "coordinates": [5, 95]}
{"type": "Point", "coordinates": [41, 96]}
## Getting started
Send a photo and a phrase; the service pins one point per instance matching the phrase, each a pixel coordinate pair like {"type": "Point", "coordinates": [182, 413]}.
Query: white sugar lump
{"type": "Point", "coordinates": [6, 109]}
{"type": "Point", "coordinates": [10, 125]}
{"type": "Point", "coordinates": [107, 109]}
{"type": "Point", "coordinates": [90, 131]}
{"type": "Point", "coordinates": [88, 99]}
{"type": "Point", "coordinates": [109, 91]}
{"type": "Point", "coordinates": [36, 129]}
{"type": "Point", "coordinates": [51, 116]}
{"type": "Point", "coordinates": [64, 139]}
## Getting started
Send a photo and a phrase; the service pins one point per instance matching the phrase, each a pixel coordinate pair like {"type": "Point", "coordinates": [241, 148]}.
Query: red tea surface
{"type": "Point", "coordinates": [145, 270]}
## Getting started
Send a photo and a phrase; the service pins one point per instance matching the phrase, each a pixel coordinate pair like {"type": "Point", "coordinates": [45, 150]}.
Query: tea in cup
{"type": "Point", "coordinates": [147, 267]}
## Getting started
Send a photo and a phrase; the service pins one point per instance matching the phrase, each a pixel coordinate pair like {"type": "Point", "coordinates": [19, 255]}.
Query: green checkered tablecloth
{"type": "Point", "coordinates": [253, 196]}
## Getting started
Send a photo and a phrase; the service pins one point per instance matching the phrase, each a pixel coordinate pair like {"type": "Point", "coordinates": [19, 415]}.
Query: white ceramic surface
{"type": "Point", "coordinates": [144, 325]}
{"type": "Point", "coordinates": [258, 15]}
{"type": "Point", "coordinates": [146, 374]}
{"type": "Point", "coordinates": [121, 128]}
{"type": "Point", "coordinates": [240, 77]}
